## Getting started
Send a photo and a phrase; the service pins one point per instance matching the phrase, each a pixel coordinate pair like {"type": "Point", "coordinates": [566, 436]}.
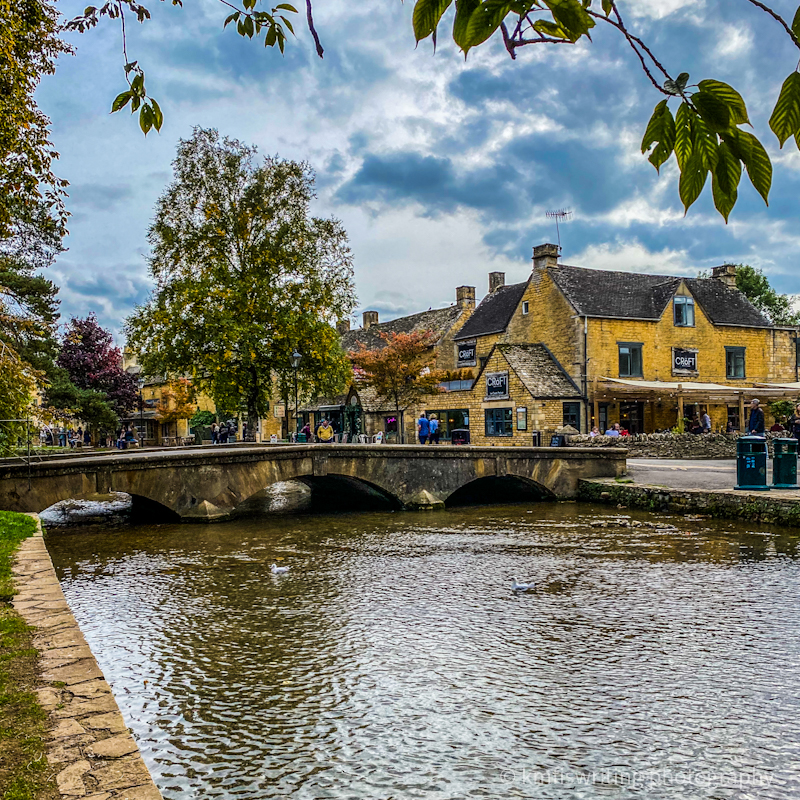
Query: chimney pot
{"type": "Point", "coordinates": [343, 326]}
{"type": "Point", "coordinates": [726, 274]}
{"type": "Point", "coordinates": [545, 255]}
{"type": "Point", "coordinates": [465, 296]}
{"type": "Point", "coordinates": [496, 280]}
{"type": "Point", "coordinates": [369, 318]}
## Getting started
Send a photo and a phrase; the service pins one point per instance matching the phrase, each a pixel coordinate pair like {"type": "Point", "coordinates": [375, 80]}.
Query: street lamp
{"type": "Point", "coordinates": [140, 384]}
{"type": "Point", "coordinates": [296, 359]}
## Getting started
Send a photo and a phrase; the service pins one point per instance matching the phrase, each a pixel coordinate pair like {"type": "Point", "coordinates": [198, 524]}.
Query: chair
{"type": "Point", "coordinates": [378, 438]}
{"type": "Point", "coordinates": [363, 438]}
{"type": "Point", "coordinates": [345, 437]}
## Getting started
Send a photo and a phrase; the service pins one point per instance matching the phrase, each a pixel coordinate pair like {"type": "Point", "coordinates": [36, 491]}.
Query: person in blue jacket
{"type": "Point", "coordinates": [423, 427]}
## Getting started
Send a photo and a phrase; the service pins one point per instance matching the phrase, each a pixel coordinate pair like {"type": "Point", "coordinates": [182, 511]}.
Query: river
{"type": "Point", "coordinates": [394, 661]}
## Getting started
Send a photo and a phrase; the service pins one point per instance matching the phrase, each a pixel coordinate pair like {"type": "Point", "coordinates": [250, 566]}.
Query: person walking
{"type": "Point", "coordinates": [756, 424]}
{"type": "Point", "coordinates": [705, 422]}
{"type": "Point", "coordinates": [423, 428]}
{"type": "Point", "coordinates": [214, 433]}
{"type": "Point", "coordinates": [793, 423]}
{"type": "Point", "coordinates": [222, 435]}
{"type": "Point", "coordinates": [87, 437]}
{"type": "Point", "coordinates": [433, 436]}
{"type": "Point", "coordinates": [325, 432]}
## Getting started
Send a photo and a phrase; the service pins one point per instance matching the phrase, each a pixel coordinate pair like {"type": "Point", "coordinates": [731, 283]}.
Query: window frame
{"type": "Point", "coordinates": [577, 405]}
{"type": "Point", "coordinates": [508, 421]}
{"type": "Point", "coordinates": [684, 301]}
{"type": "Point", "coordinates": [522, 418]}
{"type": "Point", "coordinates": [631, 346]}
{"type": "Point", "coordinates": [526, 308]}
{"type": "Point", "coordinates": [734, 351]}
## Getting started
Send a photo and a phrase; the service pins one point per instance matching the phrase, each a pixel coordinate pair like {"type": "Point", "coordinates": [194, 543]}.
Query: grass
{"type": "Point", "coordinates": [24, 771]}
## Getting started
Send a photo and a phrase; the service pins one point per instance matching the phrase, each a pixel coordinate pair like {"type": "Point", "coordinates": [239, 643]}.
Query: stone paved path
{"type": "Point", "coordinates": [89, 744]}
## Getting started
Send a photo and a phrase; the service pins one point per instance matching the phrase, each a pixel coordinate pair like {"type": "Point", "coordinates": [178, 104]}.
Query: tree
{"type": "Point", "coordinates": [17, 385]}
{"type": "Point", "coordinates": [243, 277]}
{"type": "Point", "coordinates": [400, 372]}
{"type": "Point", "coordinates": [176, 402]}
{"type": "Point", "coordinates": [754, 285]}
{"type": "Point", "coordinates": [93, 364]}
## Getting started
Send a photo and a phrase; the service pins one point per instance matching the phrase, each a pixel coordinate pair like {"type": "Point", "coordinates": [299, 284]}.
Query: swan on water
{"type": "Point", "coordinates": [516, 586]}
{"type": "Point", "coordinates": [276, 570]}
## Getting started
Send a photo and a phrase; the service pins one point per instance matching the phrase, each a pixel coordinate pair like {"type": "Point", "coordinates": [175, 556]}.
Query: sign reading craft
{"type": "Point", "coordinates": [466, 353]}
{"type": "Point", "coordinates": [684, 360]}
{"type": "Point", "coordinates": [496, 385]}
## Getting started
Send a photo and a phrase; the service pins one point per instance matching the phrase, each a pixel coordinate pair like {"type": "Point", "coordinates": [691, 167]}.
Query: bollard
{"type": "Point", "coordinates": [784, 464]}
{"type": "Point", "coordinates": [751, 464]}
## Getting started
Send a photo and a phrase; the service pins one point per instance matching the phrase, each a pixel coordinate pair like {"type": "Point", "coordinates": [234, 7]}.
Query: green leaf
{"type": "Point", "coordinates": [682, 80]}
{"type": "Point", "coordinates": [230, 18]}
{"type": "Point", "coordinates": [146, 118]}
{"type": "Point", "coordinates": [693, 179]}
{"type": "Point", "coordinates": [158, 117]}
{"type": "Point", "coordinates": [653, 126]}
{"type": "Point", "coordinates": [725, 181]}
{"type": "Point", "coordinates": [714, 112]}
{"type": "Point", "coordinates": [661, 131]}
{"type": "Point", "coordinates": [427, 14]}
{"type": "Point", "coordinates": [706, 143]}
{"type": "Point", "coordinates": [286, 7]}
{"type": "Point", "coordinates": [785, 119]}
{"type": "Point", "coordinates": [572, 17]}
{"type": "Point", "coordinates": [485, 20]}
{"type": "Point", "coordinates": [464, 9]}
{"type": "Point", "coordinates": [607, 7]}
{"type": "Point", "coordinates": [121, 101]}
{"type": "Point", "coordinates": [249, 27]}
{"type": "Point", "coordinates": [684, 136]}
{"type": "Point", "coordinates": [548, 28]}
{"type": "Point", "coordinates": [796, 23]}
{"type": "Point", "coordinates": [728, 95]}
{"type": "Point", "coordinates": [752, 154]}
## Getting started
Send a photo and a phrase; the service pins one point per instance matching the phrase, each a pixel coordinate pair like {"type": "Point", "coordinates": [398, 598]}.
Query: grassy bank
{"type": "Point", "coordinates": [24, 773]}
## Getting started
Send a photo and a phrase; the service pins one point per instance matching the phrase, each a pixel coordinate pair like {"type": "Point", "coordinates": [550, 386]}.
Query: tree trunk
{"type": "Point", "coordinates": [252, 417]}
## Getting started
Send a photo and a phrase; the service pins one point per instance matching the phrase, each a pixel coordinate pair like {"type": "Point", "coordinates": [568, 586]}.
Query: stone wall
{"type": "Point", "coordinates": [670, 445]}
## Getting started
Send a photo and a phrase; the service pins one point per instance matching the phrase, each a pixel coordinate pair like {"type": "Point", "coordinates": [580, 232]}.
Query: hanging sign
{"type": "Point", "coordinates": [496, 385]}
{"type": "Point", "coordinates": [279, 409]}
{"type": "Point", "coordinates": [684, 360]}
{"type": "Point", "coordinates": [465, 356]}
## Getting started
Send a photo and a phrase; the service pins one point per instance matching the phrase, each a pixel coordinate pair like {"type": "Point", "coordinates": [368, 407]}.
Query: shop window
{"type": "Point", "coordinates": [390, 424]}
{"type": "Point", "coordinates": [734, 362]}
{"type": "Point", "coordinates": [684, 311]}
{"type": "Point", "coordinates": [630, 360]}
{"type": "Point", "coordinates": [450, 420]}
{"type": "Point", "coordinates": [522, 419]}
{"type": "Point", "coordinates": [572, 415]}
{"type": "Point", "coordinates": [525, 307]}
{"type": "Point", "coordinates": [733, 418]}
{"type": "Point", "coordinates": [499, 421]}
{"type": "Point", "coordinates": [456, 386]}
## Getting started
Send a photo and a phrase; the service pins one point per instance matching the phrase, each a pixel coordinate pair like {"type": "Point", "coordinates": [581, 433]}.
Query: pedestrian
{"type": "Point", "coordinates": [423, 428]}
{"type": "Point", "coordinates": [325, 432]}
{"type": "Point", "coordinates": [306, 431]}
{"type": "Point", "coordinates": [87, 437]}
{"type": "Point", "coordinates": [79, 436]}
{"type": "Point", "coordinates": [705, 422]}
{"type": "Point", "coordinates": [214, 433]}
{"type": "Point", "coordinates": [614, 430]}
{"type": "Point", "coordinates": [793, 423]}
{"type": "Point", "coordinates": [62, 437]}
{"type": "Point", "coordinates": [433, 436]}
{"type": "Point", "coordinates": [222, 435]}
{"type": "Point", "coordinates": [121, 439]}
{"type": "Point", "coordinates": [594, 432]}
{"type": "Point", "coordinates": [756, 424]}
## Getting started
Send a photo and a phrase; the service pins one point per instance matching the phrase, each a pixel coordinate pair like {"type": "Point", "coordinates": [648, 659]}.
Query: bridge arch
{"type": "Point", "coordinates": [141, 508]}
{"type": "Point", "coordinates": [499, 490]}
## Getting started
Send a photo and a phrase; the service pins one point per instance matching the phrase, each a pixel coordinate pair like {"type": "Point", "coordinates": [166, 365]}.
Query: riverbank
{"type": "Point", "coordinates": [89, 750]}
{"type": "Point", "coordinates": [776, 506]}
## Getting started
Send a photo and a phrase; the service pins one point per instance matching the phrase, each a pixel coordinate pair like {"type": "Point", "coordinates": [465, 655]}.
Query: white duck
{"type": "Point", "coordinates": [276, 570]}
{"type": "Point", "coordinates": [516, 586]}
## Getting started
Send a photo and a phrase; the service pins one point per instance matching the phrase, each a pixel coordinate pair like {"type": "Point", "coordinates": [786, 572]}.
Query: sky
{"type": "Point", "coordinates": [442, 169]}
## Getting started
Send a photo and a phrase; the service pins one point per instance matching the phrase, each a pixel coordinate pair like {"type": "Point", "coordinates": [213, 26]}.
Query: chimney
{"type": "Point", "coordinates": [465, 296]}
{"type": "Point", "coordinates": [545, 255]}
{"type": "Point", "coordinates": [726, 274]}
{"type": "Point", "coordinates": [369, 318]}
{"type": "Point", "coordinates": [496, 280]}
{"type": "Point", "coordinates": [343, 327]}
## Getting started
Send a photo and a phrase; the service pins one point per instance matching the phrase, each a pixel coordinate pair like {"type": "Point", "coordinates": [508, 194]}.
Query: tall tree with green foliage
{"type": "Point", "coordinates": [244, 276]}
{"type": "Point", "coordinates": [755, 285]}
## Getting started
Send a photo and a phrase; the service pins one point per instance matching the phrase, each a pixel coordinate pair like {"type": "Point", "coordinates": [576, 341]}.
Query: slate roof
{"type": "Point", "coordinates": [437, 320]}
{"type": "Point", "coordinates": [494, 312]}
{"type": "Point", "coordinates": [633, 295]}
{"type": "Point", "coordinates": [539, 370]}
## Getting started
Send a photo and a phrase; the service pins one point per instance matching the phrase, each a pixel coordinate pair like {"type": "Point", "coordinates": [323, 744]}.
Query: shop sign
{"type": "Point", "coordinates": [466, 353]}
{"type": "Point", "coordinates": [496, 385]}
{"type": "Point", "coordinates": [279, 409]}
{"type": "Point", "coordinates": [684, 360]}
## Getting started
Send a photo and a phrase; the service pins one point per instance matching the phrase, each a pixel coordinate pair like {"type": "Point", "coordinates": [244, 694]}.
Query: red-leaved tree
{"type": "Point", "coordinates": [92, 362]}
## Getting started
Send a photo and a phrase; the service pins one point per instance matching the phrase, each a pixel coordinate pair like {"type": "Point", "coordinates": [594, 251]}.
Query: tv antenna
{"type": "Point", "coordinates": [559, 215]}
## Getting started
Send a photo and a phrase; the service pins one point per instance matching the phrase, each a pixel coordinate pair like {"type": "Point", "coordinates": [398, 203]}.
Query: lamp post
{"type": "Point", "coordinates": [296, 359]}
{"type": "Point", "coordinates": [140, 384]}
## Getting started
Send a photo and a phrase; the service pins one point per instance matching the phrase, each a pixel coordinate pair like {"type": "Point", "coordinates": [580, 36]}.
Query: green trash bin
{"type": "Point", "coordinates": [301, 438]}
{"type": "Point", "coordinates": [784, 464]}
{"type": "Point", "coordinates": [751, 464]}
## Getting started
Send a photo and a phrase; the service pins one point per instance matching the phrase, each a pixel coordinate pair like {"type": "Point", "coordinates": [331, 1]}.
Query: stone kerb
{"type": "Point", "coordinates": [89, 746]}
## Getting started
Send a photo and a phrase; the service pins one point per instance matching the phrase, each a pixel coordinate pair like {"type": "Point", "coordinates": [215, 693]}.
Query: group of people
{"type": "Point", "coordinates": [428, 429]}
{"type": "Point", "coordinates": [63, 437]}
{"type": "Point", "coordinates": [222, 432]}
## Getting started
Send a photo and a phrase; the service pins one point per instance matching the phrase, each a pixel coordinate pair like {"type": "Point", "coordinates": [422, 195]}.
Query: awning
{"type": "Point", "coordinates": [685, 386]}
{"type": "Point", "coordinates": [795, 387]}
{"type": "Point", "coordinates": [689, 389]}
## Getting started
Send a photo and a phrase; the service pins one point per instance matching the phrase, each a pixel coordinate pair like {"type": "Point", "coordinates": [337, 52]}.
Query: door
{"type": "Point", "coordinates": [631, 416]}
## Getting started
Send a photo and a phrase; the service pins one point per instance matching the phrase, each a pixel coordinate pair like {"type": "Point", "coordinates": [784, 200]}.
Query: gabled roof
{"type": "Point", "coordinates": [437, 320]}
{"type": "Point", "coordinates": [539, 370]}
{"type": "Point", "coordinates": [494, 312]}
{"type": "Point", "coordinates": [635, 295]}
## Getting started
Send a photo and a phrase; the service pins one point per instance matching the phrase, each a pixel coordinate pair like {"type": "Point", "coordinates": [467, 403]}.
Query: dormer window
{"type": "Point", "coordinates": [525, 307]}
{"type": "Point", "coordinates": [684, 311]}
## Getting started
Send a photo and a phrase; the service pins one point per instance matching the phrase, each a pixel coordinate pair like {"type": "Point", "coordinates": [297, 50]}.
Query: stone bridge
{"type": "Point", "coordinates": [212, 483]}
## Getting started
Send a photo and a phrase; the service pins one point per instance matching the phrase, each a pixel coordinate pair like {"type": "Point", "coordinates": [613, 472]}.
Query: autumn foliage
{"type": "Point", "coordinates": [176, 402]}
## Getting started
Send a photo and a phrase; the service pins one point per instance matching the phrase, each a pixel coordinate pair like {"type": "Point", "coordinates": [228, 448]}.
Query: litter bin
{"type": "Point", "coordinates": [558, 440]}
{"type": "Point", "coordinates": [459, 436]}
{"type": "Point", "coordinates": [536, 439]}
{"type": "Point", "coordinates": [302, 438]}
{"type": "Point", "coordinates": [784, 464]}
{"type": "Point", "coordinates": [751, 464]}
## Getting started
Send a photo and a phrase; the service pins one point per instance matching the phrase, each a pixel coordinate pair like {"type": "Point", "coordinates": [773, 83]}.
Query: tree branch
{"type": "Point", "coordinates": [776, 17]}
{"type": "Point", "coordinates": [313, 30]}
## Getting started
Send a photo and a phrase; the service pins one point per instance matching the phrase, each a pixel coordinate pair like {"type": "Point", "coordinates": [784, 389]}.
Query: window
{"type": "Point", "coordinates": [499, 421]}
{"type": "Point", "coordinates": [572, 415]}
{"type": "Point", "coordinates": [734, 362]}
{"type": "Point", "coordinates": [522, 419]}
{"type": "Point", "coordinates": [390, 424]}
{"type": "Point", "coordinates": [684, 311]}
{"type": "Point", "coordinates": [450, 420]}
{"type": "Point", "coordinates": [525, 307]}
{"type": "Point", "coordinates": [630, 360]}
{"type": "Point", "coordinates": [456, 386]}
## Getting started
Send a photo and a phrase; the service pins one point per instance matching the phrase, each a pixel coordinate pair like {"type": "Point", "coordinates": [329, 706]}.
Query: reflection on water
{"type": "Point", "coordinates": [393, 661]}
